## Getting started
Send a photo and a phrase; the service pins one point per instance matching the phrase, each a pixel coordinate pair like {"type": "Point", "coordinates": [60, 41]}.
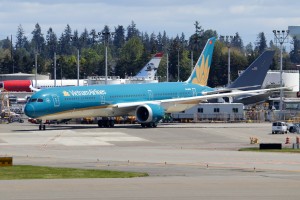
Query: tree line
{"type": "Point", "coordinates": [129, 49]}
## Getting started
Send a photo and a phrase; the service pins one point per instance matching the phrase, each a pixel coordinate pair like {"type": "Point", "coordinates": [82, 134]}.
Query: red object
{"type": "Point", "coordinates": [287, 141]}
{"type": "Point", "coordinates": [297, 140]}
{"type": "Point", "coordinates": [159, 55]}
{"type": "Point", "coordinates": [17, 85]}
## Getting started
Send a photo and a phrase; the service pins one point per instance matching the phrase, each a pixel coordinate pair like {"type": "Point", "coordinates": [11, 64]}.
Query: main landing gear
{"type": "Point", "coordinates": [106, 123]}
{"type": "Point", "coordinates": [149, 125]}
{"type": "Point", "coordinates": [42, 126]}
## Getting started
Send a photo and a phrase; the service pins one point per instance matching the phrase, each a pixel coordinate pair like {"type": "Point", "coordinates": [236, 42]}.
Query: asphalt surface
{"type": "Point", "coordinates": [184, 161]}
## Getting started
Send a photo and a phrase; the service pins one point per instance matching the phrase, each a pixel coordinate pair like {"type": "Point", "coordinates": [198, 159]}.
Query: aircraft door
{"type": "Point", "coordinates": [150, 94]}
{"type": "Point", "coordinates": [194, 92]}
{"type": "Point", "coordinates": [56, 101]}
{"type": "Point", "coordinates": [102, 98]}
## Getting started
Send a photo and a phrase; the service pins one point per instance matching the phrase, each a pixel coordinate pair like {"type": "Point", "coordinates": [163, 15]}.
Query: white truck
{"type": "Point", "coordinates": [279, 127]}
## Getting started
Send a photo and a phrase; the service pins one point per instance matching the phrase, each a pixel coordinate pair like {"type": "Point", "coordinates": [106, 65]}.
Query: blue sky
{"type": "Point", "coordinates": [247, 17]}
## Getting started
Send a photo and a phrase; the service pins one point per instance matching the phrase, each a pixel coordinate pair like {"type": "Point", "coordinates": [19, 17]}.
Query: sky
{"type": "Point", "coordinates": [227, 17]}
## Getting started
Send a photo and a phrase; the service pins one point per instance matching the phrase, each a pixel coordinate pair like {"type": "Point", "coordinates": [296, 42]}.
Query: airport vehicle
{"type": "Point", "coordinates": [212, 112]}
{"type": "Point", "coordinates": [147, 102]}
{"type": "Point", "coordinates": [11, 116]}
{"type": "Point", "coordinates": [294, 128]}
{"type": "Point", "coordinates": [279, 127]}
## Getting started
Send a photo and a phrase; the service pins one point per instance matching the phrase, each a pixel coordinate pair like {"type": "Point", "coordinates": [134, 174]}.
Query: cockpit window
{"type": "Point", "coordinates": [33, 100]}
{"type": "Point", "coordinates": [1, 84]}
{"type": "Point", "coordinates": [40, 100]}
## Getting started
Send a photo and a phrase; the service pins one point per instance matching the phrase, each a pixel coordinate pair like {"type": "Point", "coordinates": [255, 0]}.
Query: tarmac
{"type": "Point", "coordinates": [184, 161]}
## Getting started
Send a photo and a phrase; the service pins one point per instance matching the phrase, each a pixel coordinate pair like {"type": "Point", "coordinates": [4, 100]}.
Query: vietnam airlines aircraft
{"type": "Point", "coordinates": [148, 102]}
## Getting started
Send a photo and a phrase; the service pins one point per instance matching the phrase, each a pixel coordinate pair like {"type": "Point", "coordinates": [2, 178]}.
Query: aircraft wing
{"type": "Point", "coordinates": [190, 100]}
{"type": "Point", "coordinates": [227, 90]}
{"type": "Point", "coordinates": [34, 89]}
{"type": "Point", "coordinates": [214, 96]}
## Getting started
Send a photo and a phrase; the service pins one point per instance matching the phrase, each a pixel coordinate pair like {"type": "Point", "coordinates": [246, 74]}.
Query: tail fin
{"type": "Point", "coordinates": [150, 69]}
{"type": "Point", "coordinates": [255, 74]}
{"type": "Point", "coordinates": [201, 70]}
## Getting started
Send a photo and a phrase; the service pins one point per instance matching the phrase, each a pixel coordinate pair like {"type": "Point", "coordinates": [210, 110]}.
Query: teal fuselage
{"type": "Point", "coordinates": [64, 102]}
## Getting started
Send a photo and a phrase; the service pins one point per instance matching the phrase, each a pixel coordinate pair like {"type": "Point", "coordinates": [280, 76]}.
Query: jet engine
{"type": "Point", "coordinates": [149, 113]}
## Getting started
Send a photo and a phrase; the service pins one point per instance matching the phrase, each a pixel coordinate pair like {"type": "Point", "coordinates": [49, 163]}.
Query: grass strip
{"type": "Point", "coordinates": [37, 172]}
{"type": "Point", "coordinates": [283, 150]}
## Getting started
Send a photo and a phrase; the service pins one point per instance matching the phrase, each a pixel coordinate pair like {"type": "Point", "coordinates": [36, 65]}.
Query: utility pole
{"type": "Point", "coordinates": [54, 69]}
{"type": "Point", "coordinates": [106, 34]}
{"type": "Point", "coordinates": [280, 36]}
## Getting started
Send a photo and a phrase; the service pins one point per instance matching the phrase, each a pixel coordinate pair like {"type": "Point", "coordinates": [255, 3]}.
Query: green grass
{"type": "Point", "coordinates": [283, 150]}
{"type": "Point", "coordinates": [35, 172]}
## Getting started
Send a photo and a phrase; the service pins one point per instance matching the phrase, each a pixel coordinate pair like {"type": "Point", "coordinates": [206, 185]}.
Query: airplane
{"type": "Point", "coordinates": [252, 78]}
{"type": "Point", "coordinates": [147, 102]}
{"type": "Point", "coordinates": [28, 85]}
{"type": "Point", "coordinates": [147, 72]}
{"type": "Point", "coordinates": [150, 69]}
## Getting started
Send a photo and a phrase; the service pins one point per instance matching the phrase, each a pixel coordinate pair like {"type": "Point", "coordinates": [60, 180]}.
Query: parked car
{"type": "Point", "coordinates": [11, 116]}
{"type": "Point", "coordinates": [279, 127]}
{"type": "Point", "coordinates": [294, 128]}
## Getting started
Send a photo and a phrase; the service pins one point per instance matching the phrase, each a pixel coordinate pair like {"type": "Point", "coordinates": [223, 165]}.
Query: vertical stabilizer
{"type": "Point", "coordinates": [150, 69]}
{"type": "Point", "coordinates": [201, 70]}
{"type": "Point", "coordinates": [255, 74]}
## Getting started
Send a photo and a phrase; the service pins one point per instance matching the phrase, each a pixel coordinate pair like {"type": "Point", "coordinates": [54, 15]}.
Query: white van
{"type": "Point", "coordinates": [279, 127]}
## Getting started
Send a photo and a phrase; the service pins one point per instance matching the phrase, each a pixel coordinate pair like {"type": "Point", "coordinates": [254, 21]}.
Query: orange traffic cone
{"type": "Point", "coordinates": [287, 141]}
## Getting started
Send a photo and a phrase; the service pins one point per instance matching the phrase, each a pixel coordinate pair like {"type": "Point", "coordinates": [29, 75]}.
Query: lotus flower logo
{"type": "Point", "coordinates": [202, 72]}
{"type": "Point", "coordinates": [66, 94]}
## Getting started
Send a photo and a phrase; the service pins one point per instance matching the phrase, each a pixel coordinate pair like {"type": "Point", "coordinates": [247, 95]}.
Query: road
{"type": "Point", "coordinates": [184, 161]}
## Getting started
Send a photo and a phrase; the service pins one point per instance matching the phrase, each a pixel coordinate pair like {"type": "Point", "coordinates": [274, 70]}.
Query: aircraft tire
{"type": "Point", "coordinates": [100, 123]}
{"type": "Point", "coordinates": [111, 123]}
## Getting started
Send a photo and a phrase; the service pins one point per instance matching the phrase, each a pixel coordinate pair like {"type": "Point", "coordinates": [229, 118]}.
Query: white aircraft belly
{"type": "Point", "coordinates": [105, 112]}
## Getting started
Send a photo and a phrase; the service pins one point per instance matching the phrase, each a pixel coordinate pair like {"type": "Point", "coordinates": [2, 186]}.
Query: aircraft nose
{"type": "Point", "coordinates": [29, 110]}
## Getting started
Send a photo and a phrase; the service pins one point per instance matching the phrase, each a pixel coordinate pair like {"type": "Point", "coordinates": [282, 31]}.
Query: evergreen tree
{"type": "Point", "coordinates": [51, 43]}
{"type": "Point", "coordinates": [38, 41]}
{"type": "Point", "coordinates": [119, 38]}
{"type": "Point", "coordinates": [261, 44]}
{"type": "Point", "coordinates": [93, 37]}
{"type": "Point", "coordinates": [21, 39]}
{"type": "Point", "coordinates": [65, 41]}
{"type": "Point", "coordinates": [132, 31]}
{"type": "Point", "coordinates": [153, 44]}
{"type": "Point", "coordinates": [295, 53]}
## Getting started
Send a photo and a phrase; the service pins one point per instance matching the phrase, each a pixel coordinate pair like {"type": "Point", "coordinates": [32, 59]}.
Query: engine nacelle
{"type": "Point", "coordinates": [149, 113]}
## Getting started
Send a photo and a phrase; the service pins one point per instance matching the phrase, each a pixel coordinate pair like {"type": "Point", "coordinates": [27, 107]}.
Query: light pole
{"type": "Point", "coordinates": [54, 69]}
{"type": "Point", "coordinates": [75, 38]}
{"type": "Point", "coordinates": [35, 63]}
{"type": "Point", "coordinates": [228, 41]}
{"type": "Point", "coordinates": [106, 34]}
{"type": "Point", "coordinates": [167, 66]}
{"type": "Point", "coordinates": [178, 63]}
{"type": "Point", "coordinates": [280, 37]}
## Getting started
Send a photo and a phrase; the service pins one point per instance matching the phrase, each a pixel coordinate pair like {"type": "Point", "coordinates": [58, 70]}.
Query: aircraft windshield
{"type": "Point", "coordinates": [33, 100]}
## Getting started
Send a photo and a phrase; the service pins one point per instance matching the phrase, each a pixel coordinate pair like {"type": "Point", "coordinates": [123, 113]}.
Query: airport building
{"type": "Point", "coordinates": [23, 76]}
